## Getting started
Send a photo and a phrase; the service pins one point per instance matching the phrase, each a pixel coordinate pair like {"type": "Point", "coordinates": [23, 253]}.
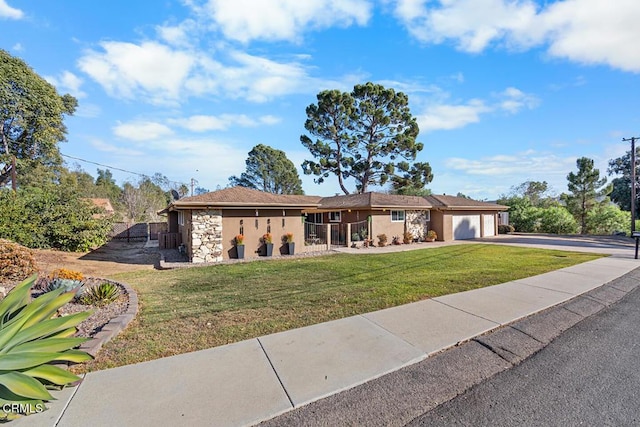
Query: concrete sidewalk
{"type": "Point", "coordinates": [257, 379]}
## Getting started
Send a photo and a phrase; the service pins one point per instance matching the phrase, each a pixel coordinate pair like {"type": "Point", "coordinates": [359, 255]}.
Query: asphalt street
{"type": "Point", "coordinates": [574, 364]}
{"type": "Point", "coordinates": [588, 376]}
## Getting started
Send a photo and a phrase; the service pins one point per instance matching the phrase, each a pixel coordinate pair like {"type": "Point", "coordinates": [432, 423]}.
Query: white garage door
{"type": "Point", "coordinates": [489, 225]}
{"type": "Point", "coordinates": [466, 227]}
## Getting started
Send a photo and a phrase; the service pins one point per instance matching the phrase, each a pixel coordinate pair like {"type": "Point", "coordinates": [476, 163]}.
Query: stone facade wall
{"type": "Point", "coordinates": [417, 224]}
{"type": "Point", "coordinates": [206, 236]}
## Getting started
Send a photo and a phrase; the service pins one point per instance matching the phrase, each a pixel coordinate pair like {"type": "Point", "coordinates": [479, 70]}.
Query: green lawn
{"type": "Point", "coordinates": [196, 308]}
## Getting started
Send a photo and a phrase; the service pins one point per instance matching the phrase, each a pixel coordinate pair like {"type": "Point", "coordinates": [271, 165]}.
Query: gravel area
{"type": "Point", "coordinates": [101, 314]}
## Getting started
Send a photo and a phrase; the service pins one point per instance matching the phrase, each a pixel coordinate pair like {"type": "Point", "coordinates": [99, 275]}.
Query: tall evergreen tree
{"type": "Point", "coordinates": [587, 189]}
{"type": "Point", "coordinates": [364, 135]}
{"type": "Point", "coordinates": [269, 170]}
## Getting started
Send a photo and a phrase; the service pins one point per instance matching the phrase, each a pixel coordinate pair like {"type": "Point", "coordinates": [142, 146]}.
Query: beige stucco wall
{"type": "Point", "coordinates": [381, 224]}
{"type": "Point", "coordinates": [254, 227]}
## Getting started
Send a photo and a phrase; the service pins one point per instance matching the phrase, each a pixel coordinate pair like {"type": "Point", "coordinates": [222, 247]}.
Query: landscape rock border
{"type": "Point", "coordinates": [115, 325]}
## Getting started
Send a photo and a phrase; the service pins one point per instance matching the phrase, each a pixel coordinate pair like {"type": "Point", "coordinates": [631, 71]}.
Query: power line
{"type": "Point", "coordinates": [115, 168]}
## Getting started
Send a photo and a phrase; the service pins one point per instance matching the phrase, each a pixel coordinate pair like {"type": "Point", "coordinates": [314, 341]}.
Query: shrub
{"type": "Point", "coordinates": [355, 237]}
{"type": "Point", "coordinates": [382, 239]}
{"type": "Point", "coordinates": [267, 238]}
{"type": "Point", "coordinates": [288, 237]}
{"type": "Point", "coordinates": [505, 228]}
{"type": "Point", "coordinates": [51, 217]}
{"type": "Point", "coordinates": [239, 239]}
{"type": "Point", "coordinates": [557, 220]}
{"type": "Point", "coordinates": [16, 262]}
{"type": "Point", "coordinates": [63, 273]}
{"type": "Point", "coordinates": [431, 234]}
{"type": "Point", "coordinates": [607, 219]}
{"type": "Point", "coordinates": [102, 294]}
{"type": "Point", "coordinates": [31, 340]}
{"type": "Point", "coordinates": [407, 238]}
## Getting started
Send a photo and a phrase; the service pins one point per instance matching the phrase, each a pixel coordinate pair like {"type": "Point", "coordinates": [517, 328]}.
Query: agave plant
{"type": "Point", "coordinates": [31, 341]}
{"type": "Point", "coordinates": [66, 285]}
{"type": "Point", "coordinates": [102, 294]}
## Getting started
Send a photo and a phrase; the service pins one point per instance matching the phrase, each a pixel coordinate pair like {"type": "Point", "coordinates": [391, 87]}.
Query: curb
{"type": "Point", "coordinates": [403, 395]}
{"type": "Point", "coordinates": [115, 325]}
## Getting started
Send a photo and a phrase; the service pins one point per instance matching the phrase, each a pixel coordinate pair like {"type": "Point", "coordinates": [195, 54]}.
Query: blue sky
{"type": "Point", "coordinates": [504, 91]}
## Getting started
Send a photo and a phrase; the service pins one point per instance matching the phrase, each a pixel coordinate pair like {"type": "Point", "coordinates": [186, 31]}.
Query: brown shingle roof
{"type": "Point", "coordinates": [453, 202]}
{"type": "Point", "coordinates": [246, 197]}
{"type": "Point", "coordinates": [241, 197]}
{"type": "Point", "coordinates": [373, 200]}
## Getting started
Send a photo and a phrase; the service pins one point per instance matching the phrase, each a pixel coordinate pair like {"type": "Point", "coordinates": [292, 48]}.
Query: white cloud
{"type": "Point", "coordinates": [202, 123]}
{"type": "Point", "coordinates": [178, 35]}
{"type": "Point", "coordinates": [67, 82]}
{"type": "Point", "coordinates": [17, 47]}
{"type": "Point", "coordinates": [246, 20]}
{"type": "Point", "coordinates": [442, 115]}
{"type": "Point", "coordinates": [584, 31]}
{"type": "Point", "coordinates": [141, 131]}
{"type": "Point", "coordinates": [594, 32]}
{"type": "Point", "coordinates": [472, 24]}
{"type": "Point", "coordinates": [126, 69]}
{"type": "Point", "coordinates": [88, 110]}
{"type": "Point", "coordinates": [104, 147]}
{"type": "Point", "coordinates": [512, 100]}
{"type": "Point", "coordinates": [516, 166]}
{"type": "Point", "coordinates": [160, 74]}
{"type": "Point", "coordinates": [446, 117]}
{"type": "Point", "coordinates": [8, 12]}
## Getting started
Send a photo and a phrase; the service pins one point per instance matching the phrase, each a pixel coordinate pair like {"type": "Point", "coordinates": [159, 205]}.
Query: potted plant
{"type": "Point", "coordinates": [382, 240]}
{"type": "Point", "coordinates": [239, 241]}
{"type": "Point", "coordinates": [407, 238]}
{"type": "Point", "coordinates": [267, 240]}
{"type": "Point", "coordinates": [431, 236]}
{"type": "Point", "coordinates": [291, 245]}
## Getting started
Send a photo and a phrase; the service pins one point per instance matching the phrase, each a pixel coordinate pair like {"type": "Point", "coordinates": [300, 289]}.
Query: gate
{"type": "Point", "coordinates": [338, 234]}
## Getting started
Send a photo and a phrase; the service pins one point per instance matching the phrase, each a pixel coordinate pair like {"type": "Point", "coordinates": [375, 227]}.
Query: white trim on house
{"type": "Point", "coordinates": [180, 217]}
{"type": "Point", "coordinates": [399, 216]}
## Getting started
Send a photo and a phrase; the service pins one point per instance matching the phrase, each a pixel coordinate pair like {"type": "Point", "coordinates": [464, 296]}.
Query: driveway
{"type": "Point", "coordinates": [611, 245]}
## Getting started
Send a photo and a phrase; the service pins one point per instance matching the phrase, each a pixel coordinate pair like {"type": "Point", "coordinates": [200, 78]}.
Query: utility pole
{"type": "Point", "coordinates": [193, 183]}
{"type": "Point", "coordinates": [633, 181]}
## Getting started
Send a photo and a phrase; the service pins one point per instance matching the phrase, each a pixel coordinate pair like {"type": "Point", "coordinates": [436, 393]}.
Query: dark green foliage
{"type": "Point", "coordinates": [16, 262]}
{"type": "Point", "coordinates": [621, 193]}
{"type": "Point", "coordinates": [51, 217]}
{"type": "Point", "coordinates": [102, 294]}
{"type": "Point", "coordinates": [505, 229]}
{"type": "Point", "coordinates": [557, 220]}
{"type": "Point", "coordinates": [269, 170]}
{"type": "Point", "coordinates": [587, 190]}
{"type": "Point", "coordinates": [608, 219]}
{"type": "Point", "coordinates": [31, 116]}
{"type": "Point", "coordinates": [412, 179]}
{"type": "Point", "coordinates": [364, 135]}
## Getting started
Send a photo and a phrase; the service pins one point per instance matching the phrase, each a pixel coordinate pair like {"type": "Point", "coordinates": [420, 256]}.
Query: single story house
{"type": "Point", "coordinates": [206, 225]}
